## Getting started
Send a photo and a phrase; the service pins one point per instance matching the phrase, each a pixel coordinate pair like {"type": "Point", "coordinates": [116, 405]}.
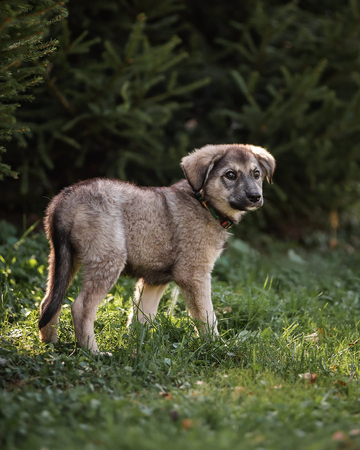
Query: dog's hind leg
{"type": "Point", "coordinates": [146, 301]}
{"type": "Point", "coordinates": [63, 266]}
{"type": "Point", "coordinates": [49, 332]}
{"type": "Point", "coordinates": [99, 277]}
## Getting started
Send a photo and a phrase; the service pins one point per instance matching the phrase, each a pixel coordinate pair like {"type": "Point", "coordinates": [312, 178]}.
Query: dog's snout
{"type": "Point", "coordinates": [254, 197]}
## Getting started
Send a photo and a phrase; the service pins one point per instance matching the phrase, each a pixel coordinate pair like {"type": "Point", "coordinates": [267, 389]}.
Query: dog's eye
{"type": "Point", "coordinates": [256, 174]}
{"type": "Point", "coordinates": [230, 175]}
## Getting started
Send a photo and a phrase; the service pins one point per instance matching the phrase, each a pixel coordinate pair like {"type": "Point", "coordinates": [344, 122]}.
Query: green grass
{"type": "Point", "coordinates": [164, 387]}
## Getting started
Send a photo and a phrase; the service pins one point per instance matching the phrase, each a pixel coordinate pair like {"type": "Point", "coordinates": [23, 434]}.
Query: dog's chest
{"type": "Point", "coordinates": [170, 238]}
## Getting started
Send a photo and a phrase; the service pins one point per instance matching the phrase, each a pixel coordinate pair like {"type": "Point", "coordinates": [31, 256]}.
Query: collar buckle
{"type": "Point", "coordinates": [225, 223]}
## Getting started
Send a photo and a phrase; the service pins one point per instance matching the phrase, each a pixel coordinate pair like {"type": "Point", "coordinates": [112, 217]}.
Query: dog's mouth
{"type": "Point", "coordinates": [253, 207]}
{"type": "Point", "coordinates": [246, 205]}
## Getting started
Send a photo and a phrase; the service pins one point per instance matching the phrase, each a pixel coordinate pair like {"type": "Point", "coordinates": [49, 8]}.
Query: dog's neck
{"type": "Point", "coordinates": [224, 222]}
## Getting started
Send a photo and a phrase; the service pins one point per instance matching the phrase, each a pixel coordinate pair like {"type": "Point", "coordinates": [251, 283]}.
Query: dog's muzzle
{"type": "Point", "coordinates": [251, 202]}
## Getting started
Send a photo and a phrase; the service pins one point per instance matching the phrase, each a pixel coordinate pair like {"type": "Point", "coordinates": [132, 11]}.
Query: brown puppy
{"type": "Point", "coordinates": [158, 235]}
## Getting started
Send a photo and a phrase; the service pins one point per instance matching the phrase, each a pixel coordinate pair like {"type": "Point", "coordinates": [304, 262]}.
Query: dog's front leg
{"type": "Point", "coordinates": [197, 295]}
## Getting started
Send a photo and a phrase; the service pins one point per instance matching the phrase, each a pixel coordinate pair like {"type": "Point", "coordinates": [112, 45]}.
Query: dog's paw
{"type": "Point", "coordinates": [106, 354]}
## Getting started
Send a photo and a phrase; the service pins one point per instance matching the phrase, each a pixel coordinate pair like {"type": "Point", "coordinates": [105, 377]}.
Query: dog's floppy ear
{"type": "Point", "coordinates": [266, 160]}
{"type": "Point", "coordinates": [198, 164]}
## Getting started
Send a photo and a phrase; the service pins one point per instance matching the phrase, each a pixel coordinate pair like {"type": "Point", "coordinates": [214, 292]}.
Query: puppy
{"type": "Point", "coordinates": [156, 234]}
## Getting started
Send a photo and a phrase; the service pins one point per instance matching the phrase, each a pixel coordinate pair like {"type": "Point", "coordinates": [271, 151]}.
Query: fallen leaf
{"type": "Point", "coordinates": [322, 331]}
{"type": "Point", "coordinates": [341, 383]}
{"type": "Point", "coordinates": [338, 436]}
{"type": "Point", "coordinates": [166, 395]}
{"type": "Point", "coordinates": [187, 424]}
{"type": "Point", "coordinates": [312, 379]}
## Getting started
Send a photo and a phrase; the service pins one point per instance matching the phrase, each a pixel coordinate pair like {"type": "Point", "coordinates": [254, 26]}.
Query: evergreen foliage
{"type": "Point", "coordinates": [23, 26]}
{"type": "Point", "coordinates": [134, 86]}
{"type": "Point", "coordinates": [298, 82]}
{"type": "Point", "coordinates": [105, 104]}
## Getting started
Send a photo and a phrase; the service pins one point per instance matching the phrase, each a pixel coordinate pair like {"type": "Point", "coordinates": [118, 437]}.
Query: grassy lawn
{"type": "Point", "coordinates": [284, 375]}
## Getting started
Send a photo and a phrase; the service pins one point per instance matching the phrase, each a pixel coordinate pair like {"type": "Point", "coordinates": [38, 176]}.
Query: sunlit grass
{"type": "Point", "coordinates": [284, 374]}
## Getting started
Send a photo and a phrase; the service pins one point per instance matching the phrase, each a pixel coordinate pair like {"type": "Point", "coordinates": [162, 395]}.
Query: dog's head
{"type": "Point", "coordinates": [230, 176]}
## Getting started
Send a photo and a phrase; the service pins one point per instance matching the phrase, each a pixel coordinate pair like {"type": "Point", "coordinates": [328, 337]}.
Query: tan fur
{"type": "Point", "coordinates": [155, 234]}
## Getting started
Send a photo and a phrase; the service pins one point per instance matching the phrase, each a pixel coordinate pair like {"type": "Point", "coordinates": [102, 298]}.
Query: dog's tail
{"type": "Point", "coordinates": [61, 267]}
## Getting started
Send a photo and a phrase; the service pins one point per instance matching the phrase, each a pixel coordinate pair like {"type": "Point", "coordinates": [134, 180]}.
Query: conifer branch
{"type": "Point", "coordinates": [50, 83]}
{"type": "Point", "coordinates": [5, 23]}
{"type": "Point", "coordinates": [14, 63]}
{"type": "Point", "coordinates": [42, 12]}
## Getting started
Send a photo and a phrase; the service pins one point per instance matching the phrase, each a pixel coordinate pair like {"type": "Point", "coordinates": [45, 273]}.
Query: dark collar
{"type": "Point", "coordinates": [225, 223]}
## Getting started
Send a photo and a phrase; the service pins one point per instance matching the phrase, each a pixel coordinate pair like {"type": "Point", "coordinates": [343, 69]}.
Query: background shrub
{"type": "Point", "coordinates": [134, 87]}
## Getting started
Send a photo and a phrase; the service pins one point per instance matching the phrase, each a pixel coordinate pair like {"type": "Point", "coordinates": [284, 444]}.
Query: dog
{"type": "Point", "coordinates": [156, 234]}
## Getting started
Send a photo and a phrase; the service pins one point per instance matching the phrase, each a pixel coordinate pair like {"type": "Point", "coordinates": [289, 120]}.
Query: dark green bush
{"type": "Point", "coordinates": [297, 81]}
{"type": "Point", "coordinates": [23, 28]}
{"type": "Point", "coordinates": [127, 95]}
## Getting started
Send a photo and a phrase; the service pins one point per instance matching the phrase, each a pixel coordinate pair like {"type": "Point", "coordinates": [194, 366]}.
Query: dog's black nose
{"type": "Point", "coordinates": [254, 197]}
